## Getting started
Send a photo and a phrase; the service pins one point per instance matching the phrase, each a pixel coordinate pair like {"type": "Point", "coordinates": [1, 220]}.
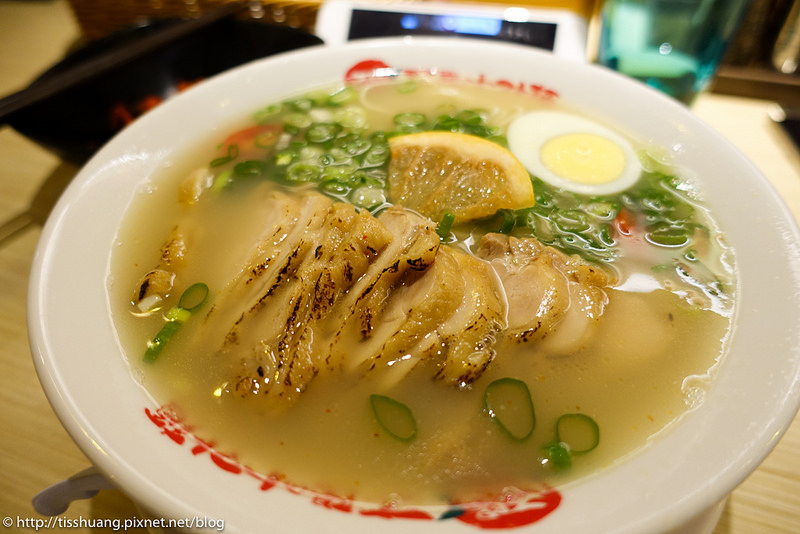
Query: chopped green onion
{"type": "Point", "coordinates": [296, 121]}
{"type": "Point", "coordinates": [445, 225]}
{"type": "Point", "coordinates": [335, 186]}
{"type": "Point", "coordinates": [352, 117]}
{"type": "Point", "coordinates": [232, 154]}
{"type": "Point", "coordinates": [320, 132]}
{"type": "Point", "coordinates": [604, 210]}
{"type": "Point", "coordinates": [394, 417]}
{"type": "Point", "coordinates": [342, 96]}
{"type": "Point", "coordinates": [303, 172]}
{"type": "Point", "coordinates": [250, 167]}
{"type": "Point", "coordinates": [572, 221]}
{"type": "Point", "coordinates": [409, 120]}
{"type": "Point", "coordinates": [509, 220]}
{"type": "Point", "coordinates": [668, 236]}
{"type": "Point", "coordinates": [342, 172]}
{"type": "Point", "coordinates": [353, 145]}
{"type": "Point", "coordinates": [301, 104]}
{"type": "Point", "coordinates": [284, 157]}
{"type": "Point", "coordinates": [337, 155]}
{"type": "Point", "coordinates": [508, 403]}
{"type": "Point", "coordinates": [155, 345]}
{"type": "Point", "coordinates": [558, 456]}
{"type": "Point", "coordinates": [178, 314]}
{"type": "Point", "coordinates": [447, 123]}
{"type": "Point", "coordinates": [371, 177]}
{"type": "Point", "coordinates": [471, 117]}
{"type": "Point", "coordinates": [578, 432]}
{"type": "Point", "coordinates": [377, 155]}
{"type": "Point", "coordinates": [266, 114]}
{"type": "Point", "coordinates": [311, 154]}
{"type": "Point", "coordinates": [192, 298]}
{"type": "Point", "coordinates": [222, 180]}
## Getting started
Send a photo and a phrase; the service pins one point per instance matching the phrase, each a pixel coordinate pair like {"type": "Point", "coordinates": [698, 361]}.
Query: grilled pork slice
{"type": "Point", "coordinates": [549, 294]}
{"type": "Point", "coordinates": [447, 317]}
{"type": "Point", "coordinates": [328, 287]}
{"type": "Point", "coordinates": [365, 315]}
{"type": "Point", "coordinates": [311, 253]}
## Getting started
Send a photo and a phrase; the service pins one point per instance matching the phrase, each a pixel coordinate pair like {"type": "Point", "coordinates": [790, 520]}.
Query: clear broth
{"type": "Point", "coordinates": [651, 361]}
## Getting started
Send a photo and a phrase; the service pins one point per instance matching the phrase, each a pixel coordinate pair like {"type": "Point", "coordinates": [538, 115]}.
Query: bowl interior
{"type": "Point", "coordinates": [116, 423]}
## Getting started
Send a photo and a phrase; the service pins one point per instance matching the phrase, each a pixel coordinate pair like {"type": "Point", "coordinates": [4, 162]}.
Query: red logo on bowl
{"type": "Point", "coordinates": [513, 510]}
{"type": "Point", "coordinates": [517, 510]}
{"type": "Point", "coordinates": [375, 68]}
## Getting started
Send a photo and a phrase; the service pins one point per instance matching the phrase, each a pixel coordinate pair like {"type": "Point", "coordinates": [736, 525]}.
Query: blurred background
{"type": "Point", "coordinates": [761, 60]}
{"type": "Point", "coordinates": [747, 48]}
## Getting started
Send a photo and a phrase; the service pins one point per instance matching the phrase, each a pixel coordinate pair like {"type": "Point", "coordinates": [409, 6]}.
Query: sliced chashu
{"type": "Point", "coordinates": [364, 318]}
{"type": "Point", "coordinates": [293, 281]}
{"type": "Point", "coordinates": [470, 334]}
{"type": "Point", "coordinates": [448, 317]}
{"type": "Point", "coordinates": [549, 294]}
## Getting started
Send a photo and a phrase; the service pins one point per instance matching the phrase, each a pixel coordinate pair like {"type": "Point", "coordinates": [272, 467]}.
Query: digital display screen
{"type": "Point", "coordinates": [365, 24]}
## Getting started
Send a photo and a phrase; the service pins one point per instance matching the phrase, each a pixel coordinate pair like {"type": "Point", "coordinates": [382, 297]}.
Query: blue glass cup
{"type": "Point", "coordinates": [672, 45]}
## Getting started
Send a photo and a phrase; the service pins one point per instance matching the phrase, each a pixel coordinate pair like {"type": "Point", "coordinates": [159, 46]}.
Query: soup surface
{"type": "Point", "coordinates": [273, 289]}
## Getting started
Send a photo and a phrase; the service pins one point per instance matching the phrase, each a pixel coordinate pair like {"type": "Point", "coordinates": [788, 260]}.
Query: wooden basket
{"type": "Point", "coordinates": [98, 18]}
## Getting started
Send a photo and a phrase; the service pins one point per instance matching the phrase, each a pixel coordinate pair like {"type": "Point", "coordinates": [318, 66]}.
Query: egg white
{"type": "Point", "coordinates": [528, 134]}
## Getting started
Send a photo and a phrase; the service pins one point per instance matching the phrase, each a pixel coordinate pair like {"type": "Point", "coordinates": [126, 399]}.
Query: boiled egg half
{"type": "Point", "coordinates": [573, 153]}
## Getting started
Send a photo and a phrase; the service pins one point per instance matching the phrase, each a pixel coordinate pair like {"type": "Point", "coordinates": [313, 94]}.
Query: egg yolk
{"type": "Point", "coordinates": [583, 158]}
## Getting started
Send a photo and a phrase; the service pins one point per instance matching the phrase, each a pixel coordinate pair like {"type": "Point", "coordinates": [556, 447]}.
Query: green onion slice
{"type": "Point", "coordinates": [342, 96]}
{"type": "Point", "coordinates": [158, 342]}
{"type": "Point", "coordinates": [231, 154]}
{"type": "Point", "coordinates": [303, 172]}
{"type": "Point", "coordinates": [443, 229]}
{"type": "Point", "coordinates": [577, 431]}
{"type": "Point", "coordinates": [394, 417]}
{"type": "Point", "coordinates": [409, 120]}
{"type": "Point", "coordinates": [509, 220]}
{"type": "Point", "coordinates": [668, 236]}
{"type": "Point", "coordinates": [222, 180]}
{"type": "Point", "coordinates": [321, 132]}
{"type": "Point", "coordinates": [192, 298]}
{"type": "Point", "coordinates": [558, 455]}
{"type": "Point", "coordinates": [250, 167]}
{"type": "Point", "coordinates": [508, 403]}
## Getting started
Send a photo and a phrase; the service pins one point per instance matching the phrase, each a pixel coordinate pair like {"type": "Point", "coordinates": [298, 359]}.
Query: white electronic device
{"type": "Point", "coordinates": [560, 31]}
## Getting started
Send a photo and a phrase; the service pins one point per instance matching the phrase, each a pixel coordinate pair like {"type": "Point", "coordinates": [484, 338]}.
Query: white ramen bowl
{"type": "Point", "coordinates": [676, 482]}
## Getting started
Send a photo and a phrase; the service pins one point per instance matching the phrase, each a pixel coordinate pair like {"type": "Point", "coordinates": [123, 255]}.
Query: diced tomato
{"type": "Point", "coordinates": [625, 223]}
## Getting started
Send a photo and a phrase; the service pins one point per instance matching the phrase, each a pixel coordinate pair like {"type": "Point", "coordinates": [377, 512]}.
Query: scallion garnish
{"type": "Point", "coordinates": [443, 229]}
{"type": "Point", "coordinates": [558, 456]}
{"type": "Point", "coordinates": [508, 403]}
{"type": "Point", "coordinates": [191, 299]}
{"type": "Point", "coordinates": [231, 154]}
{"type": "Point", "coordinates": [578, 432]}
{"type": "Point", "coordinates": [394, 417]}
